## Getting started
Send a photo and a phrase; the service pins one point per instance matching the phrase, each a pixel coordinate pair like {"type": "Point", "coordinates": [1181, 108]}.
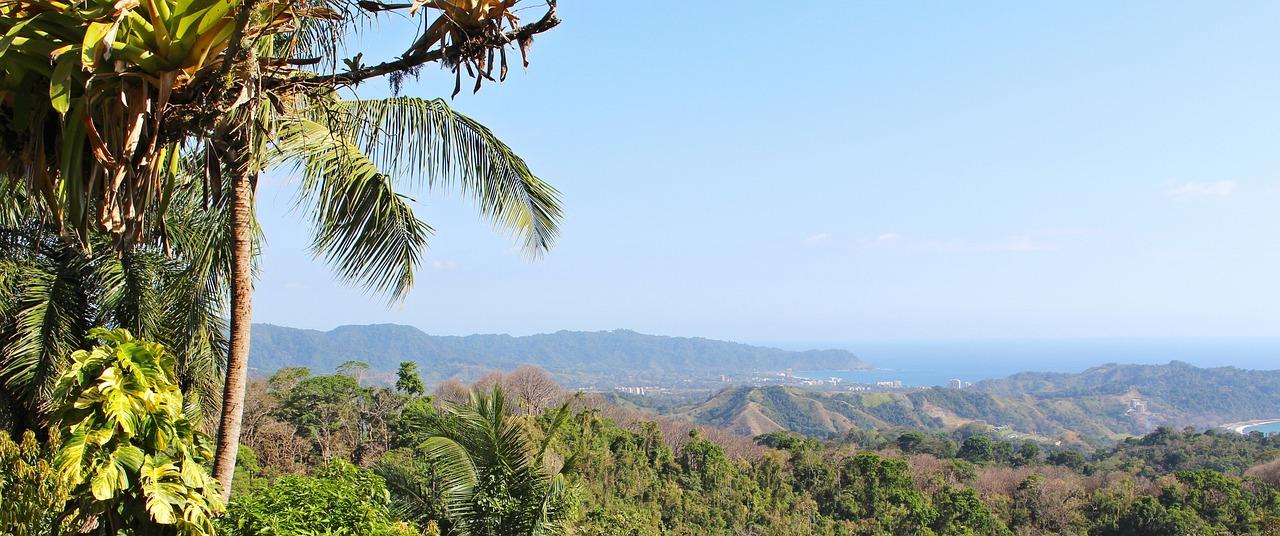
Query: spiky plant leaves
{"type": "Point", "coordinates": [51, 294]}
{"type": "Point", "coordinates": [495, 477]}
{"type": "Point", "coordinates": [96, 143]}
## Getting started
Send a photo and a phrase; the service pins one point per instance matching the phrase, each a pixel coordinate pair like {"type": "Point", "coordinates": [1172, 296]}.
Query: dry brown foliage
{"type": "Point", "coordinates": [928, 473]}
{"type": "Point", "coordinates": [532, 389]}
{"type": "Point", "coordinates": [1119, 481]}
{"type": "Point", "coordinates": [490, 379]}
{"type": "Point", "coordinates": [452, 391]}
{"type": "Point", "coordinates": [275, 442]}
{"type": "Point", "coordinates": [1268, 472]}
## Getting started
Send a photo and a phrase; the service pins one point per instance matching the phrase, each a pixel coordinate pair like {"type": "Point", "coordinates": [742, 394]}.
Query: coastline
{"type": "Point", "coordinates": [1239, 427]}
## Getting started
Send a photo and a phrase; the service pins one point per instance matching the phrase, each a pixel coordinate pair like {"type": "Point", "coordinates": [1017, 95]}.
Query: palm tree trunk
{"type": "Point", "coordinates": [241, 200]}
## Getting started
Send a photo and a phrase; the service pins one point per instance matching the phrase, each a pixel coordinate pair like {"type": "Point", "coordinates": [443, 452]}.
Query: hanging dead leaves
{"type": "Point", "coordinates": [466, 30]}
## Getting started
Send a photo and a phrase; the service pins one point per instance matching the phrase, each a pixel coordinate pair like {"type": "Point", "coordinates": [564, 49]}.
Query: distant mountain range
{"type": "Point", "coordinates": [1101, 403]}
{"type": "Point", "coordinates": [565, 353]}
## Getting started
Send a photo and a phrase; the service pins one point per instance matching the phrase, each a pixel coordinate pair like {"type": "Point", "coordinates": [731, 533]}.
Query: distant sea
{"type": "Point", "coordinates": [935, 362]}
{"type": "Point", "coordinates": [1266, 428]}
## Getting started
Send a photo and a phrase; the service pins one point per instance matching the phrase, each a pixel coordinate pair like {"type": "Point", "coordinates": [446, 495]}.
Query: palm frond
{"type": "Point", "coordinates": [428, 143]}
{"type": "Point", "coordinates": [52, 293]}
{"type": "Point", "coordinates": [457, 474]}
{"type": "Point", "coordinates": [412, 496]}
{"type": "Point", "coordinates": [496, 478]}
{"type": "Point", "coordinates": [44, 326]}
{"type": "Point", "coordinates": [352, 153]}
{"type": "Point", "coordinates": [196, 299]}
{"type": "Point", "coordinates": [555, 508]}
{"type": "Point", "coordinates": [318, 36]}
{"type": "Point", "coordinates": [361, 227]}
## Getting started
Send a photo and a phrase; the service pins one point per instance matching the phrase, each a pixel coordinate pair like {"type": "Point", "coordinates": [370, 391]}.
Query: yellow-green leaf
{"type": "Point", "coordinates": [98, 437]}
{"type": "Point", "coordinates": [107, 482]}
{"type": "Point", "coordinates": [130, 457]}
{"type": "Point", "coordinates": [60, 83]}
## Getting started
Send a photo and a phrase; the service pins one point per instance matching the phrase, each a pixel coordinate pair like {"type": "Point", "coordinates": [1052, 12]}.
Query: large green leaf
{"type": "Point", "coordinates": [60, 84]}
{"type": "Point", "coordinates": [129, 438]}
{"type": "Point", "coordinates": [107, 482]}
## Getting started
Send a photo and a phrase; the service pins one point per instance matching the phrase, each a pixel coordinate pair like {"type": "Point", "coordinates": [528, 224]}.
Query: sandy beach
{"type": "Point", "coordinates": [1239, 427]}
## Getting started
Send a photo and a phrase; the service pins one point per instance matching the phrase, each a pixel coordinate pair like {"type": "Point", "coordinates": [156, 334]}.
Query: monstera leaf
{"type": "Point", "coordinates": [130, 448]}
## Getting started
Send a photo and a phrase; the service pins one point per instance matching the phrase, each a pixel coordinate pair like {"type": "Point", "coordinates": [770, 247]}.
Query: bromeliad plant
{"type": "Point", "coordinates": [100, 99]}
{"type": "Point", "coordinates": [87, 88]}
{"type": "Point", "coordinates": [131, 457]}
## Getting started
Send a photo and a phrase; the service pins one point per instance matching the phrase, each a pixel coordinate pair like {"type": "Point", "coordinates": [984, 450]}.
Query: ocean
{"type": "Point", "coordinates": [935, 362]}
{"type": "Point", "coordinates": [1272, 428]}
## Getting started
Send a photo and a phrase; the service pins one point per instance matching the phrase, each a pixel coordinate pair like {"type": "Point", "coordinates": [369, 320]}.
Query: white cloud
{"type": "Point", "coordinates": [819, 238]}
{"type": "Point", "coordinates": [1021, 243]}
{"type": "Point", "coordinates": [885, 241]}
{"type": "Point", "coordinates": [295, 285]}
{"type": "Point", "coordinates": [1219, 189]}
{"type": "Point", "coordinates": [443, 265]}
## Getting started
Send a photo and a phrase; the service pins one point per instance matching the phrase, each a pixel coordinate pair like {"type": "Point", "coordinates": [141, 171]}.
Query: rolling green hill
{"type": "Point", "coordinates": [1096, 404]}
{"type": "Point", "coordinates": [1177, 393]}
{"type": "Point", "coordinates": [567, 354]}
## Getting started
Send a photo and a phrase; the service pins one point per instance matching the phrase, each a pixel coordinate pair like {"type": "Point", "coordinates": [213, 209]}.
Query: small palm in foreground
{"type": "Point", "coordinates": [495, 476]}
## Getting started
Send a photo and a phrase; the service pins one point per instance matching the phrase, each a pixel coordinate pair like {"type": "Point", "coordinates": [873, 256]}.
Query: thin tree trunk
{"type": "Point", "coordinates": [241, 200]}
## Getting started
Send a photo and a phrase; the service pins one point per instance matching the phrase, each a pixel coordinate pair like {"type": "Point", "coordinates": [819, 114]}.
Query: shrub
{"type": "Point", "coordinates": [131, 458]}
{"type": "Point", "coordinates": [31, 497]}
{"type": "Point", "coordinates": [337, 499]}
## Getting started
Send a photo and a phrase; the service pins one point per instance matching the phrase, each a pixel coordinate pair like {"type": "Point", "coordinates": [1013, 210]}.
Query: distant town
{"type": "Point", "coordinates": [786, 378]}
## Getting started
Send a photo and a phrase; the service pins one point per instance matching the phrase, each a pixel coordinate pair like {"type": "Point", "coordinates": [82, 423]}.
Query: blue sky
{"type": "Point", "coordinates": [828, 171]}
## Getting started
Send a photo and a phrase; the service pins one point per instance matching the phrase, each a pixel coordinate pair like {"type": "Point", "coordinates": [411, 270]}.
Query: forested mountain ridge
{"type": "Point", "coordinates": [1178, 392]}
{"type": "Point", "coordinates": [384, 346]}
{"type": "Point", "coordinates": [757, 410]}
{"type": "Point", "coordinates": [1098, 404]}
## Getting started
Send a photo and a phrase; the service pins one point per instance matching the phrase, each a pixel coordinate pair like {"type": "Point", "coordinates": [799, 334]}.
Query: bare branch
{"type": "Point", "coordinates": [240, 42]}
{"type": "Point", "coordinates": [412, 60]}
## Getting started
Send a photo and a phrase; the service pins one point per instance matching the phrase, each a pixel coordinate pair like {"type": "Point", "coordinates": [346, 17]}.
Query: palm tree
{"type": "Point", "coordinates": [132, 93]}
{"type": "Point", "coordinates": [361, 226]}
{"type": "Point", "coordinates": [52, 294]}
{"type": "Point", "coordinates": [496, 480]}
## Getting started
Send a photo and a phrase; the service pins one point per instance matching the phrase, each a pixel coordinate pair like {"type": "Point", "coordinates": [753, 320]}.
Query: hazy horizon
{"type": "Point", "coordinates": [924, 170]}
{"type": "Point", "coordinates": [1051, 354]}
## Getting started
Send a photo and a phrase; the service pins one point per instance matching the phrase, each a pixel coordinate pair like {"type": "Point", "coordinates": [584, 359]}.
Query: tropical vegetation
{"type": "Point", "coordinates": [334, 454]}
{"type": "Point", "coordinates": [52, 294]}
{"type": "Point", "coordinates": [123, 451]}
{"type": "Point", "coordinates": [628, 472]}
{"type": "Point", "coordinates": [132, 457]}
{"type": "Point", "coordinates": [108, 109]}
{"type": "Point", "coordinates": [131, 137]}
